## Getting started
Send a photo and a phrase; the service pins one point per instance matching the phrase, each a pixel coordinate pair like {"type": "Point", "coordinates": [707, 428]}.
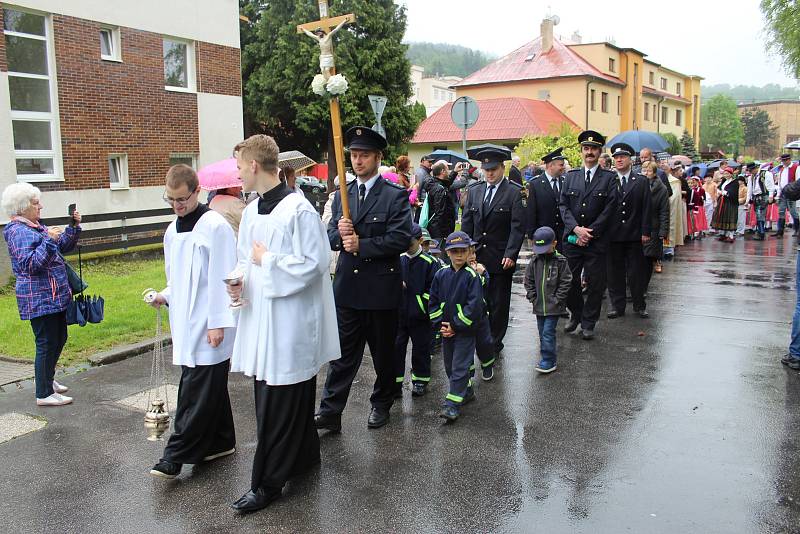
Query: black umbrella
{"type": "Point", "coordinates": [449, 156]}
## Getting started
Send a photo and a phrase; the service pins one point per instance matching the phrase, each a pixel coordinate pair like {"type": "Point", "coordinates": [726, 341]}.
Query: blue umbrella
{"type": "Point", "coordinates": [449, 156]}
{"type": "Point", "coordinates": [703, 169]}
{"type": "Point", "coordinates": [639, 139]}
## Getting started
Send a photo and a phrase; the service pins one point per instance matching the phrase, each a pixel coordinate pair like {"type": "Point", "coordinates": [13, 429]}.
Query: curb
{"type": "Point", "coordinates": [124, 352]}
{"type": "Point", "coordinates": [14, 360]}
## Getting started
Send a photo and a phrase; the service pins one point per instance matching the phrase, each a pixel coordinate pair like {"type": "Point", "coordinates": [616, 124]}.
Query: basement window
{"type": "Point", "coordinates": [109, 44]}
{"type": "Point", "coordinates": [118, 171]}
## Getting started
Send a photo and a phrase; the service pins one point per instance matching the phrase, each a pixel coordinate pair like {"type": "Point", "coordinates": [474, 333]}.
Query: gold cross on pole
{"type": "Point", "coordinates": [322, 30]}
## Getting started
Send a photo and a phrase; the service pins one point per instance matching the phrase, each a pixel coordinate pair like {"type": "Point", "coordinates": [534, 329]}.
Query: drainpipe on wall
{"type": "Point", "coordinates": [588, 83]}
{"type": "Point", "coordinates": [658, 115]}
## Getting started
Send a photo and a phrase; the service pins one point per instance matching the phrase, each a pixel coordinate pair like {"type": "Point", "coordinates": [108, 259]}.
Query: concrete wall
{"type": "Point", "coordinates": [220, 126]}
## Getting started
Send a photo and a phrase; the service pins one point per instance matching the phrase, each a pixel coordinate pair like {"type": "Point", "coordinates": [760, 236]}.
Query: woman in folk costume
{"type": "Point", "coordinates": [772, 208]}
{"type": "Point", "coordinates": [287, 323]}
{"type": "Point", "coordinates": [696, 215]}
{"type": "Point", "coordinates": [726, 213]}
{"type": "Point", "coordinates": [199, 252]}
{"type": "Point", "coordinates": [677, 212]}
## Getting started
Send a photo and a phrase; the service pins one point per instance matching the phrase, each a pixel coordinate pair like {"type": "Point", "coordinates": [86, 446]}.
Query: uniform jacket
{"type": "Point", "coordinates": [543, 206]}
{"type": "Point", "coordinates": [418, 273]}
{"type": "Point", "coordinates": [441, 209]}
{"type": "Point", "coordinates": [41, 287]}
{"type": "Point", "coordinates": [592, 207]}
{"type": "Point", "coordinates": [547, 282]}
{"type": "Point", "coordinates": [370, 279]}
{"type": "Point", "coordinates": [632, 219]}
{"type": "Point", "coordinates": [499, 230]}
{"type": "Point", "coordinates": [457, 298]}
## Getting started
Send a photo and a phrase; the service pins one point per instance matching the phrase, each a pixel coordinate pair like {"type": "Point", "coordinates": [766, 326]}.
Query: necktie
{"type": "Point", "coordinates": [555, 185]}
{"type": "Point", "coordinates": [624, 180]}
{"type": "Point", "coordinates": [488, 200]}
{"type": "Point", "coordinates": [588, 177]}
{"type": "Point", "coordinates": [362, 192]}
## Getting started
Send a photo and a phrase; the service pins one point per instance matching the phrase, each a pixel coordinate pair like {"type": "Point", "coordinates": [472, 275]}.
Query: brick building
{"type": "Point", "coordinates": [98, 99]}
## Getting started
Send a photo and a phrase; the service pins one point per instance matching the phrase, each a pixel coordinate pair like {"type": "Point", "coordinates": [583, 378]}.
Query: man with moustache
{"type": "Point", "coordinates": [588, 202]}
{"type": "Point", "coordinates": [544, 194]}
{"type": "Point", "coordinates": [630, 231]}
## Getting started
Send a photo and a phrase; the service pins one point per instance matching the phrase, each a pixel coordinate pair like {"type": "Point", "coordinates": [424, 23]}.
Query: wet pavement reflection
{"type": "Point", "coordinates": [685, 422]}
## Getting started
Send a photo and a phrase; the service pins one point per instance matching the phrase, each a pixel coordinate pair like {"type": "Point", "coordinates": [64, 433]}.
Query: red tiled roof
{"type": "Point", "coordinates": [671, 96]}
{"type": "Point", "coordinates": [559, 62]}
{"type": "Point", "coordinates": [499, 119]}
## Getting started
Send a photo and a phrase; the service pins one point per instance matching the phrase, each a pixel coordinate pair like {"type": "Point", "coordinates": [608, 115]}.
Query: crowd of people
{"type": "Point", "coordinates": [252, 288]}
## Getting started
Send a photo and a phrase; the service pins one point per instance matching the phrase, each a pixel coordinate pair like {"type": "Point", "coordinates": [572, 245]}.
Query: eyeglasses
{"type": "Point", "coordinates": [176, 201]}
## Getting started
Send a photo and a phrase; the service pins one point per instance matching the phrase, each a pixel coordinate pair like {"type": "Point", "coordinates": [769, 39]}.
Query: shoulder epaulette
{"type": "Point", "coordinates": [396, 186]}
{"type": "Point", "coordinates": [479, 182]}
{"type": "Point", "coordinates": [515, 184]}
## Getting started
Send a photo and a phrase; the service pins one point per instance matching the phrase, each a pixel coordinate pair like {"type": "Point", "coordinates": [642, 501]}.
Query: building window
{"type": "Point", "coordinates": [118, 171]}
{"type": "Point", "coordinates": [179, 65]}
{"type": "Point", "coordinates": [29, 55]}
{"type": "Point", "coordinates": [678, 87]}
{"type": "Point", "coordinates": [109, 44]}
{"type": "Point", "coordinates": [646, 111]}
{"type": "Point", "coordinates": [544, 94]}
{"type": "Point", "coordinates": [185, 159]}
{"type": "Point", "coordinates": [652, 78]}
{"type": "Point", "coordinates": [664, 83]}
{"type": "Point", "coordinates": [591, 100]}
{"type": "Point", "coordinates": [678, 117]}
{"type": "Point", "coordinates": [664, 115]}
{"type": "Point", "coordinates": [612, 67]}
{"type": "Point", "coordinates": [619, 105]}
{"type": "Point", "coordinates": [604, 102]}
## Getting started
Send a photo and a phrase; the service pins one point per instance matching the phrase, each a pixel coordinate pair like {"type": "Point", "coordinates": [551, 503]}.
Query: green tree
{"type": "Point", "coordinates": [688, 147]}
{"type": "Point", "coordinates": [720, 126]}
{"type": "Point", "coordinates": [278, 65]}
{"type": "Point", "coordinates": [759, 133]}
{"type": "Point", "coordinates": [447, 59]}
{"type": "Point", "coordinates": [674, 144]}
{"type": "Point", "coordinates": [783, 26]}
{"type": "Point", "coordinates": [534, 147]}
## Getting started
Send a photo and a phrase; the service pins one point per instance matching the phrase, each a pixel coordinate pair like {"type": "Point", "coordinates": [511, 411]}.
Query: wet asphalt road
{"type": "Point", "coordinates": [685, 422]}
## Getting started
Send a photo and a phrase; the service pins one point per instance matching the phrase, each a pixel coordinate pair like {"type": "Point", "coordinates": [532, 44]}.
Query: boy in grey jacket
{"type": "Point", "coordinates": [547, 283]}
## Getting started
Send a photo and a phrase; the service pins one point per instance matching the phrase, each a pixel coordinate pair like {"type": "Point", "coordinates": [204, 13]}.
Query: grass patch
{"type": "Point", "coordinates": [120, 280]}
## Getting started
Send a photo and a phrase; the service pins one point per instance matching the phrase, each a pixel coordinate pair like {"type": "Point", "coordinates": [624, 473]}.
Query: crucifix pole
{"type": "Point", "coordinates": [324, 27]}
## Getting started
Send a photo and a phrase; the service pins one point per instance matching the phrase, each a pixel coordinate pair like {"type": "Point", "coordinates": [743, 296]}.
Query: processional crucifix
{"type": "Point", "coordinates": [322, 31]}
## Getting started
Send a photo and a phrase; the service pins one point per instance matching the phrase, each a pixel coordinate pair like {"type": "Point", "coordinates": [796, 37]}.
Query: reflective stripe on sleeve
{"type": "Point", "coordinates": [466, 320]}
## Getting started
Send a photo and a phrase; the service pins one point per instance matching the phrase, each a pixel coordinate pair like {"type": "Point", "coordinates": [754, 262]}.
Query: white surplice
{"type": "Point", "coordinates": [196, 263]}
{"type": "Point", "coordinates": [287, 330]}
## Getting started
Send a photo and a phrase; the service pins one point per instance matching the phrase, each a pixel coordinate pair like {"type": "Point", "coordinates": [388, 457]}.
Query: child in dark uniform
{"type": "Point", "coordinates": [456, 307]}
{"type": "Point", "coordinates": [484, 345]}
{"type": "Point", "coordinates": [418, 270]}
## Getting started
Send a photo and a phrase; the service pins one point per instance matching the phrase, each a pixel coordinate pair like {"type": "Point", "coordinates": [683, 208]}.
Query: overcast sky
{"type": "Point", "coordinates": [731, 48]}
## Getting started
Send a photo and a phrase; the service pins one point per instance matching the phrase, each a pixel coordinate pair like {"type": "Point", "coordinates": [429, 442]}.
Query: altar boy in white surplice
{"type": "Point", "coordinates": [287, 327]}
{"type": "Point", "coordinates": [199, 252]}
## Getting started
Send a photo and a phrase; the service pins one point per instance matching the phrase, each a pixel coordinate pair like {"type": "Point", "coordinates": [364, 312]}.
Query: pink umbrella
{"type": "Point", "coordinates": [219, 175]}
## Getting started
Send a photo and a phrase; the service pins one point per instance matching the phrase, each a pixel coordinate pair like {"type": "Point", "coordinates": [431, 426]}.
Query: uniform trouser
{"type": "Point", "coordinates": [499, 293]}
{"type": "Point", "coordinates": [783, 205]}
{"type": "Point", "coordinates": [50, 332]}
{"type": "Point", "coordinates": [376, 328]}
{"type": "Point", "coordinates": [484, 346]}
{"type": "Point", "coordinates": [288, 443]}
{"type": "Point", "coordinates": [458, 353]}
{"type": "Point", "coordinates": [593, 265]}
{"type": "Point", "coordinates": [626, 260]}
{"type": "Point", "coordinates": [650, 265]}
{"type": "Point", "coordinates": [420, 333]}
{"type": "Point", "coordinates": [203, 418]}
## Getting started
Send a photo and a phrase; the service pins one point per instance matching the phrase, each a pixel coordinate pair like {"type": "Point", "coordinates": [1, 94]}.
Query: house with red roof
{"type": "Point", "coordinates": [598, 86]}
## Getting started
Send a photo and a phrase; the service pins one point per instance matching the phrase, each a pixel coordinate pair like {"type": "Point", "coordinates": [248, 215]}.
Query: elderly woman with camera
{"type": "Point", "coordinates": [42, 289]}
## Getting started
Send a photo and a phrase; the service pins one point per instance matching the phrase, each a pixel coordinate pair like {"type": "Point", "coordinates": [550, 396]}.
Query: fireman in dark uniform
{"type": "Point", "coordinates": [544, 195]}
{"type": "Point", "coordinates": [588, 203]}
{"type": "Point", "coordinates": [494, 216]}
{"type": "Point", "coordinates": [368, 284]}
{"type": "Point", "coordinates": [630, 230]}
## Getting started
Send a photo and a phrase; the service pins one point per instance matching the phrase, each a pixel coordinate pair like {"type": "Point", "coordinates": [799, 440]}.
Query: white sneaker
{"type": "Point", "coordinates": [59, 388]}
{"type": "Point", "coordinates": [54, 400]}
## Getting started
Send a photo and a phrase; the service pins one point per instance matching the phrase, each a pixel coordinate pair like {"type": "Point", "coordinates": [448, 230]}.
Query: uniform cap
{"type": "Point", "coordinates": [554, 155]}
{"type": "Point", "coordinates": [622, 149]}
{"type": "Point", "coordinates": [457, 240]}
{"type": "Point", "coordinates": [490, 156]}
{"type": "Point", "coordinates": [591, 138]}
{"type": "Point", "coordinates": [364, 138]}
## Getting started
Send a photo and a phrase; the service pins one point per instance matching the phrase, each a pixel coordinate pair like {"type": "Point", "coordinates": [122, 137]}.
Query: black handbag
{"type": "Point", "coordinates": [83, 309]}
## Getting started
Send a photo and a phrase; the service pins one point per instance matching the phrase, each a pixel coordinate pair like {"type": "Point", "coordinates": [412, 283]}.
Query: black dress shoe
{"type": "Point", "coordinates": [643, 314]}
{"type": "Point", "coordinates": [571, 326]}
{"type": "Point", "coordinates": [253, 501]}
{"type": "Point", "coordinates": [328, 422]}
{"type": "Point", "coordinates": [613, 314]}
{"type": "Point", "coordinates": [377, 418]}
{"type": "Point", "coordinates": [587, 334]}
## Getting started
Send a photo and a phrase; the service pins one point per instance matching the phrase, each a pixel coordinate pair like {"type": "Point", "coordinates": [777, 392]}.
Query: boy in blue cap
{"type": "Point", "coordinates": [456, 307]}
{"type": "Point", "coordinates": [547, 283]}
{"type": "Point", "coordinates": [418, 270]}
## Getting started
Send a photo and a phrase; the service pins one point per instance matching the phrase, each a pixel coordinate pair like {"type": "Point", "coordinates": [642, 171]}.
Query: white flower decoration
{"type": "Point", "coordinates": [337, 84]}
{"type": "Point", "coordinates": [318, 85]}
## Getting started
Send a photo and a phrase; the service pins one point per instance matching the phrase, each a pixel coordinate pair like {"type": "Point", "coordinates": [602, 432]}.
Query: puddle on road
{"type": "Point", "coordinates": [780, 280]}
